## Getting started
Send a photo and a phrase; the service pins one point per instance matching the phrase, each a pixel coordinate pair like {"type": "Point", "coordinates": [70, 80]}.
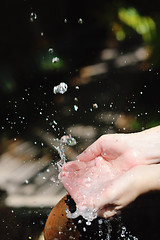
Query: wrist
{"type": "Point", "coordinates": [147, 178]}
{"type": "Point", "coordinates": [147, 143]}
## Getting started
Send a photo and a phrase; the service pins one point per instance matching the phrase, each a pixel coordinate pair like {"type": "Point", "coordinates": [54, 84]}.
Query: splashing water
{"type": "Point", "coordinates": [89, 214]}
{"type": "Point", "coordinates": [64, 140]}
{"type": "Point", "coordinates": [122, 231]}
{"type": "Point", "coordinates": [55, 60]}
{"type": "Point", "coordinates": [68, 140]}
{"type": "Point", "coordinates": [61, 88]}
{"type": "Point", "coordinates": [86, 213]}
{"type": "Point", "coordinates": [50, 50]}
{"type": "Point", "coordinates": [33, 17]}
{"type": "Point", "coordinates": [76, 108]}
{"type": "Point", "coordinates": [80, 20]}
{"type": "Point", "coordinates": [95, 105]}
{"type": "Point", "coordinates": [61, 151]}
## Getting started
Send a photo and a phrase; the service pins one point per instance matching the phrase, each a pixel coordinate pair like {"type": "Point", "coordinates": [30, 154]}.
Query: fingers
{"type": "Point", "coordinates": [91, 152]}
{"type": "Point", "coordinates": [73, 166]}
{"type": "Point", "coordinates": [108, 211]}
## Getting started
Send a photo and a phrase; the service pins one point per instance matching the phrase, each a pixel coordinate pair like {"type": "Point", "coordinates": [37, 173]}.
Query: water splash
{"type": "Point", "coordinates": [33, 17]}
{"type": "Point", "coordinates": [55, 60]}
{"type": "Point", "coordinates": [68, 140]}
{"type": "Point", "coordinates": [95, 105]}
{"type": "Point", "coordinates": [50, 50]}
{"type": "Point", "coordinates": [64, 140]}
{"type": "Point", "coordinates": [86, 213]}
{"type": "Point", "coordinates": [80, 20]}
{"type": "Point", "coordinates": [61, 88]}
{"type": "Point", "coordinates": [76, 108]}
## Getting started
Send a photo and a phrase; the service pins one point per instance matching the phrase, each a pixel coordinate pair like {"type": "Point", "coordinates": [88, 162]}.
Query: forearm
{"type": "Point", "coordinates": [148, 178]}
{"type": "Point", "coordinates": [147, 143]}
{"type": "Point", "coordinates": [152, 139]}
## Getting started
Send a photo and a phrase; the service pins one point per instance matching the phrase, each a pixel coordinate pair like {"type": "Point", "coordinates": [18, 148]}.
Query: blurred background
{"type": "Point", "coordinates": [108, 53]}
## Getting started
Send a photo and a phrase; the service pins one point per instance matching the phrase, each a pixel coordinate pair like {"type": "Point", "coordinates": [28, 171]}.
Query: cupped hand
{"type": "Point", "coordinates": [97, 185]}
{"type": "Point", "coordinates": [107, 174]}
{"type": "Point", "coordinates": [124, 151]}
{"type": "Point", "coordinates": [86, 181]}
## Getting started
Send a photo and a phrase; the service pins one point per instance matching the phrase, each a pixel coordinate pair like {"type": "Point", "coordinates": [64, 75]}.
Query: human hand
{"type": "Point", "coordinates": [127, 187]}
{"type": "Point", "coordinates": [124, 151]}
{"type": "Point", "coordinates": [108, 162]}
{"type": "Point", "coordinates": [97, 185]}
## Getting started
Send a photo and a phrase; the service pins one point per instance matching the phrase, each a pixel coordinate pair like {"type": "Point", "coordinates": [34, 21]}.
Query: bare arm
{"type": "Point", "coordinates": [127, 150]}
{"type": "Point", "coordinates": [126, 188]}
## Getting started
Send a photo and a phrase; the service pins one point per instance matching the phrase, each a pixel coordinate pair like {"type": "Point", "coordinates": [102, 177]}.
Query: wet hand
{"type": "Point", "coordinates": [125, 151]}
{"type": "Point", "coordinates": [127, 187]}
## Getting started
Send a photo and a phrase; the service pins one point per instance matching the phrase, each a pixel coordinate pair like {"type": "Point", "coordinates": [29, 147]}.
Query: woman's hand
{"type": "Point", "coordinates": [126, 188]}
{"type": "Point", "coordinates": [126, 150]}
{"type": "Point", "coordinates": [114, 171]}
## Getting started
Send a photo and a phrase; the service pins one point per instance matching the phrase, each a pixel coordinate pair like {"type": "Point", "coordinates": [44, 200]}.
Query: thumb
{"type": "Point", "coordinates": [93, 151]}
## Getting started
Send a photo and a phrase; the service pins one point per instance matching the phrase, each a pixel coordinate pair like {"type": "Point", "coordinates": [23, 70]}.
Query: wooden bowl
{"type": "Point", "coordinates": [58, 226]}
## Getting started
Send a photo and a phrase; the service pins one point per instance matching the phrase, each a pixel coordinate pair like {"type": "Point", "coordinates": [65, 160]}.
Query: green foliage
{"type": "Point", "coordinates": [145, 26]}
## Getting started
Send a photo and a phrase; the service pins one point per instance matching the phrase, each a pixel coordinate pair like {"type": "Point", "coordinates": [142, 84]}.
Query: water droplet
{"type": "Point", "coordinates": [44, 178]}
{"type": "Point", "coordinates": [84, 229]}
{"type": "Point", "coordinates": [80, 21]}
{"type": "Point", "coordinates": [55, 122]}
{"type": "Point", "coordinates": [55, 60]}
{"type": "Point", "coordinates": [57, 183]}
{"type": "Point", "coordinates": [53, 179]}
{"type": "Point", "coordinates": [88, 223]}
{"type": "Point", "coordinates": [95, 105]}
{"type": "Point", "coordinates": [42, 34]}
{"type": "Point", "coordinates": [50, 50]}
{"type": "Point", "coordinates": [33, 17]}
{"type": "Point", "coordinates": [69, 140]}
{"type": "Point", "coordinates": [65, 20]}
{"type": "Point", "coordinates": [61, 88]}
{"type": "Point", "coordinates": [100, 221]}
{"type": "Point", "coordinates": [123, 231]}
{"type": "Point", "coordinates": [26, 181]}
{"type": "Point", "coordinates": [75, 107]}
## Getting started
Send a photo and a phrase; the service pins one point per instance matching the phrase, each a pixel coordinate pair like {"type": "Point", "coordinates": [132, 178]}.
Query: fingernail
{"type": "Point", "coordinates": [105, 215]}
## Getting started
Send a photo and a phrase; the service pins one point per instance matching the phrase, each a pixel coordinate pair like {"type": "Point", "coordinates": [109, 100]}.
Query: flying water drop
{"type": "Point", "coordinates": [61, 88]}
{"type": "Point", "coordinates": [95, 105]}
{"type": "Point", "coordinates": [68, 140]}
{"type": "Point", "coordinates": [50, 50]}
{"type": "Point", "coordinates": [76, 108]}
{"type": "Point", "coordinates": [33, 17]}
{"type": "Point", "coordinates": [55, 60]}
{"type": "Point", "coordinates": [80, 20]}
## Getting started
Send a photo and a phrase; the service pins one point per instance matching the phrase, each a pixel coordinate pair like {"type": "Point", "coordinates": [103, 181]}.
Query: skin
{"type": "Point", "coordinates": [126, 188]}
{"type": "Point", "coordinates": [127, 166]}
